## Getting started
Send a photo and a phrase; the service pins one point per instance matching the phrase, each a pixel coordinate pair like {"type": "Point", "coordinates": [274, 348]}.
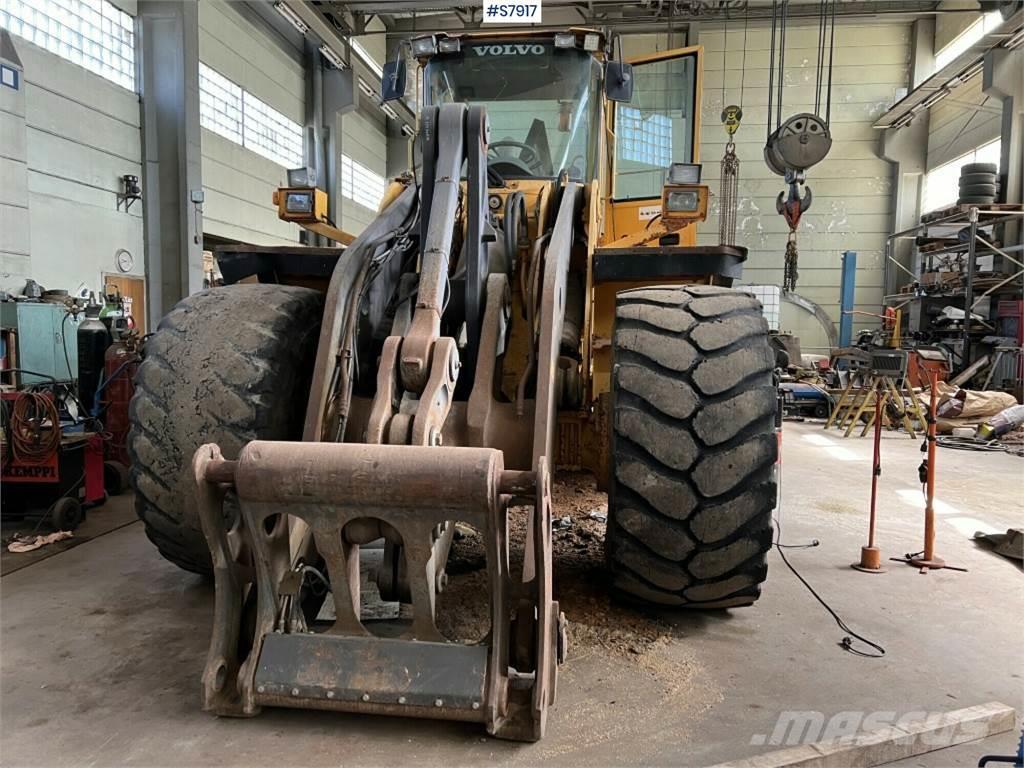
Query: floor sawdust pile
{"type": "Point", "coordinates": [631, 654]}
{"type": "Point", "coordinates": [580, 577]}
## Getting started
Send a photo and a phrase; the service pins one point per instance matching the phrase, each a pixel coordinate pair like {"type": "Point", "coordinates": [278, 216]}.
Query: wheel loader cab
{"type": "Point", "coordinates": [530, 296]}
{"type": "Point", "coordinates": [562, 112]}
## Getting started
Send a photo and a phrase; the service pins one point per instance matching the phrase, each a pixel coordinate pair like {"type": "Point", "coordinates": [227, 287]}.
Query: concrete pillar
{"type": "Point", "coordinates": [339, 98]}
{"type": "Point", "coordinates": [922, 50]}
{"type": "Point", "coordinates": [907, 148]}
{"type": "Point", "coordinates": [167, 62]}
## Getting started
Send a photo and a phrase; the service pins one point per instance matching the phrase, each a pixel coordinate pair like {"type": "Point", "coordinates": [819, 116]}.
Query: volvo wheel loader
{"type": "Point", "coordinates": [530, 296]}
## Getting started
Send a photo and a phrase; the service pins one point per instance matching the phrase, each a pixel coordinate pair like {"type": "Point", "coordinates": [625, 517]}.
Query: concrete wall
{"type": "Point", "coordinates": [363, 139]}
{"type": "Point", "coordinates": [962, 122]}
{"type": "Point", "coordinates": [78, 134]}
{"type": "Point", "coordinates": [949, 26]}
{"type": "Point", "coordinates": [364, 136]}
{"type": "Point", "coordinates": [238, 182]}
{"type": "Point", "coordinates": [852, 187]}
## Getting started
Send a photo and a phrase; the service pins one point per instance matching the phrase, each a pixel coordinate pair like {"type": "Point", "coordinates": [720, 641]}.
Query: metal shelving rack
{"type": "Point", "coordinates": [975, 217]}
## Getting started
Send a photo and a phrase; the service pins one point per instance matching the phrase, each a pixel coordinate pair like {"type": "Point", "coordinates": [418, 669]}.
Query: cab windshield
{"type": "Point", "coordinates": [541, 102]}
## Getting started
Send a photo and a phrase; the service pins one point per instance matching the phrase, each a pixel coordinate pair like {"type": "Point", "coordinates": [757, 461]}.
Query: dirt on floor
{"type": "Point", "coordinates": [626, 642]}
{"type": "Point", "coordinates": [624, 648]}
{"type": "Point", "coordinates": [580, 581]}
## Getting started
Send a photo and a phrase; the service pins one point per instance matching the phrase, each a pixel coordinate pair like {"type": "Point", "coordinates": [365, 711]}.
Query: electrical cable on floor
{"type": "Point", "coordinates": [847, 643]}
{"type": "Point", "coordinates": [971, 444]}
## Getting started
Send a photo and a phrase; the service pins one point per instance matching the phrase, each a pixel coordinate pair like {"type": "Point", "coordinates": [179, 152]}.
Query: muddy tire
{"type": "Point", "coordinates": [227, 366]}
{"type": "Point", "coordinates": [693, 447]}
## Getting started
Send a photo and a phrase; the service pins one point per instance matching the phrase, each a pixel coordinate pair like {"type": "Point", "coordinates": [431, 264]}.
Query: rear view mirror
{"type": "Point", "coordinates": [392, 81]}
{"type": "Point", "coordinates": [618, 81]}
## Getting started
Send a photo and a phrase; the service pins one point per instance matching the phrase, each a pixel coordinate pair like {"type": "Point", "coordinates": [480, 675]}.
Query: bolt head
{"type": "Point", "coordinates": [438, 702]}
{"type": "Point", "coordinates": [366, 697]}
{"type": "Point", "coordinates": [401, 699]}
{"type": "Point", "coordinates": [295, 691]}
{"type": "Point", "coordinates": [330, 694]}
{"type": "Point", "coordinates": [261, 689]}
{"type": "Point", "coordinates": [476, 705]}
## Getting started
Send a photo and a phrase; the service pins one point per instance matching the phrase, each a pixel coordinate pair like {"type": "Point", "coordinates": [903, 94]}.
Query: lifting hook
{"type": "Point", "coordinates": [793, 206]}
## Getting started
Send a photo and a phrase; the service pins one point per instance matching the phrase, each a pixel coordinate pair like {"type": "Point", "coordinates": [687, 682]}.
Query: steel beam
{"type": "Point", "coordinates": [167, 63]}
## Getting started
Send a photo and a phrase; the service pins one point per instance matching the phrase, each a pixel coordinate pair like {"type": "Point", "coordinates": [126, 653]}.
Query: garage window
{"type": "Point", "coordinates": [91, 33]}
{"type": "Point", "coordinates": [967, 38]}
{"type": "Point", "coordinates": [230, 111]}
{"type": "Point", "coordinates": [269, 133]}
{"type": "Point", "coordinates": [220, 104]}
{"type": "Point", "coordinates": [941, 184]}
{"type": "Point", "coordinates": [360, 184]}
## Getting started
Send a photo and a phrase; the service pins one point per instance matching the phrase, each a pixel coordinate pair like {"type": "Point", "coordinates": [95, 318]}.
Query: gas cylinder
{"type": "Point", "coordinates": [121, 364]}
{"type": "Point", "coordinates": [93, 339]}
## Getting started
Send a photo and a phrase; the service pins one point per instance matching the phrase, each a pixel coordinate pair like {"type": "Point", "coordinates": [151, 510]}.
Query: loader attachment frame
{"type": "Point", "coordinates": [507, 682]}
{"type": "Point", "coordinates": [306, 508]}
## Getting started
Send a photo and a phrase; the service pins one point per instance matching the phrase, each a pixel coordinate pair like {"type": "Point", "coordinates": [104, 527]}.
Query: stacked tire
{"type": "Point", "coordinates": [979, 184]}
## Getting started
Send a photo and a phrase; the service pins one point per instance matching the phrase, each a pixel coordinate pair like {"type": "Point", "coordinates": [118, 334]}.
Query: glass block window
{"type": "Point", "coordinates": [360, 184]}
{"type": "Point", "coordinates": [220, 104]}
{"type": "Point", "coordinates": [230, 111]}
{"type": "Point", "coordinates": [91, 33]}
{"type": "Point", "coordinates": [646, 140]}
{"type": "Point", "coordinates": [269, 133]}
{"type": "Point", "coordinates": [768, 295]}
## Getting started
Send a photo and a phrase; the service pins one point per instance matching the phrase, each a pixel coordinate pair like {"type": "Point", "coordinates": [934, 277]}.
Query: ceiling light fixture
{"type": "Point", "coordinates": [291, 17]}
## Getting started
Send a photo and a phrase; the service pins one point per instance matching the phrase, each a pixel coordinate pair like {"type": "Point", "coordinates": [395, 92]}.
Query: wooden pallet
{"type": "Point", "coordinates": [952, 210]}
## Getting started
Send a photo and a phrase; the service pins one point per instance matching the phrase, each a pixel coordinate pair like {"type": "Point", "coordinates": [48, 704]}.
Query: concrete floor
{"type": "Point", "coordinates": [102, 645]}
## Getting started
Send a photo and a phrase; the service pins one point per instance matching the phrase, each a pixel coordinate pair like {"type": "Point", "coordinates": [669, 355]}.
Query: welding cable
{"type": "Point", "coordinates": [971, 444]}
{"type": "Point", "coordinates": [847, 642]}
{"type": "Point", "coordinates": [32, 440]}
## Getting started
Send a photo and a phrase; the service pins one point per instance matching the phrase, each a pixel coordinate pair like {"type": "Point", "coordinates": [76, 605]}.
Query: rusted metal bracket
{"type": "Point", "coordinates": [415, 492]}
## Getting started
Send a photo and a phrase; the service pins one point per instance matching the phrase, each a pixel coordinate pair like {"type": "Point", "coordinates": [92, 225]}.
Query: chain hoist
{"type": "Point", "coordinates": [731, 117]}
{"type": "Point", "coordinates": [802, 141]}
{"type": "Point", "coordinates": [729, 194]}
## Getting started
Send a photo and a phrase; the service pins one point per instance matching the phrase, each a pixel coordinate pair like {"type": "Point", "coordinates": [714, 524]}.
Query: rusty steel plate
{"type": "Point", "coordinates": [421, 679]}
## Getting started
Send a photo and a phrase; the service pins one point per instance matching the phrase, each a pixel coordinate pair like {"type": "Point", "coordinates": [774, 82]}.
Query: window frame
{"type": "Point", "coordinates": [259, 127]}
{"type": "Point", "coordinates": [955, 165]}
{"type": "Point", "coordinates": [697, 52]}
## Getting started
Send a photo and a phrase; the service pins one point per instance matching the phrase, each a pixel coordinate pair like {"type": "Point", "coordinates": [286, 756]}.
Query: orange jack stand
{"type": "Point", "coordinates": [928, 559]}
{"type": "Point", "coordinates": [871, 556]}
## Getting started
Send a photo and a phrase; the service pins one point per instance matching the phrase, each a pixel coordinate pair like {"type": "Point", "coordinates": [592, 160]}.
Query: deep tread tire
{"type": "Point", "coordinates": [692, 486]}
{"type": "Point", "coordinates": [979, 168]}
{"type": "Point", "coordinates": [228, 365]}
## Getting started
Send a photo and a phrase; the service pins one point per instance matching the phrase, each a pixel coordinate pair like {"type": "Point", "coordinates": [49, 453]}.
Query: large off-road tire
{"type": "Point", "coordinates": [693, 449]}
{"type": "Point", "coordinates": [226, 366]}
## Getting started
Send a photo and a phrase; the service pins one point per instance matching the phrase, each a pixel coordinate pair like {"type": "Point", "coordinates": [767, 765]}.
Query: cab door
{"type": "Point", "coordinates": [660, 126]}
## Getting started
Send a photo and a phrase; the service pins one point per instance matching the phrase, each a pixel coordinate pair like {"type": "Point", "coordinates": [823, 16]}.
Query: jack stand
{"type": "Point", "coordinates": [871, 556]}
{"type": "Point", "coordinates": [928, 560]}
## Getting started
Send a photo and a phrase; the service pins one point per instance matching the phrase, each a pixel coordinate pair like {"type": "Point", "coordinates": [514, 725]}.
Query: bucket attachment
{"type": "Point", "coordinates": [266, 650]}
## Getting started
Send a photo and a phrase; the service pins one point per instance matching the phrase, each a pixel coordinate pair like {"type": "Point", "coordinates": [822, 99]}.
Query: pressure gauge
{"type": "Point", "coordinates": [125, 260]}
